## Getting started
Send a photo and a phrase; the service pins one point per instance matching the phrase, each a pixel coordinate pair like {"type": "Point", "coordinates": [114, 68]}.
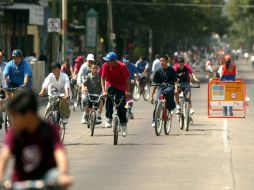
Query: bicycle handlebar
{"type": "Point", "coordinates": [162, 84]}
{"type": "Point", "coordinates": [98, 96]}
{"type": "Point", "coordinates": [28, 184]}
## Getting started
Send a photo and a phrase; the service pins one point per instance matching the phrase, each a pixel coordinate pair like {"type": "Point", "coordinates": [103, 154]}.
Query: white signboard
{"type": "Point", "coordinates": [54, 25]}
{"type": "Point", "coordinates": [91, 25]}
{"type": "Point", "coordinates": [44, 3]}
{"type": "Point", "coordinates": [36, 15]}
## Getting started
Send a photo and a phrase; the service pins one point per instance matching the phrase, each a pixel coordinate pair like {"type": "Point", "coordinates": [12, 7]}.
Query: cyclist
{"type": "Point", "coordinates": [184, 72]}
{"type": "Point", "coordinates": [35, 145]}
{"type": "Point", "coordinates": [58, 81]}
{"type": "Point", "coordinates": [92, 85]}
{"type": "Point", "coordinates": [133, 76]}
{"type": "Point", "coordinates": [85, 68]}
{"type": "Point", "coordinates": [227, 73]}
{"type": "Point", "coordinates": [164, 75]}
{"type": "Point", "coordinates": [115, 82]}
{"type": "Point", "coordinates": [67, 68]}
{"type": "Point", "coordinates": [78, 63]}
{"type": "Point", "coordinates": [156, 64]}
{"type": "Point", "coordinates": [2, 63]}
{"type": "Point", "coordinates": [18, 72]}
{"type": "Point", "coordinates": [209, 67]}
{"type": "Point", "coordinates": [142, 66]}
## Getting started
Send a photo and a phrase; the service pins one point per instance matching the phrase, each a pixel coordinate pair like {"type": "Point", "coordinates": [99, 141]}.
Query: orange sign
{"type": "Point", "coordinates": [223, 94]}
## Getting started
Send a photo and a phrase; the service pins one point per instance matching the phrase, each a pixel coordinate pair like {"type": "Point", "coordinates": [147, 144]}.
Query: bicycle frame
{"type": "Point", "coordinates": [164, 108]}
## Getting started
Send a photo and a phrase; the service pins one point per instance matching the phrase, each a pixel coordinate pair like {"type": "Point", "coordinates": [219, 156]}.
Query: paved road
{"type": "Point", "coordinates": [209, 156]}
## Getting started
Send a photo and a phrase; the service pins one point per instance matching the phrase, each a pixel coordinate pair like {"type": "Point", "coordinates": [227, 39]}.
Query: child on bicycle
{"type": "Point", "coordinates": [92, 85]}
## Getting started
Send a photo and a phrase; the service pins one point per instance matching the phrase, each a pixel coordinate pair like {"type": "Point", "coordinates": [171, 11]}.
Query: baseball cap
{"type": "Point", "coordinates": [111, 56]}
{"type": "Point", "coordinates": [125, 60]}
{"type": "Point", "coordinates": [90, 57]}
{"type": "Point", "coordinates": [79, 59]}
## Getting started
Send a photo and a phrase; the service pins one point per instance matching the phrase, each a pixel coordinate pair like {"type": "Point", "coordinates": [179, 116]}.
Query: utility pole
{"type": "Point", "coordinates": [150, 49]}
{"type": "Point", "coordinates": [64, 30]}
{"type": "Point", "coordinates": [110, 25]}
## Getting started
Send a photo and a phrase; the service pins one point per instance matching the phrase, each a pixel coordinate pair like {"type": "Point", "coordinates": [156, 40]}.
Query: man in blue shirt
{"type": "Point", "coordinates": [18, 71]}
{"type": "Point", "coordinates": [142, 66]}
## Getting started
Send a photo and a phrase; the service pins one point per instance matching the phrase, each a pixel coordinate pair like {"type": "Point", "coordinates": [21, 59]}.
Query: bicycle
{"type": "Point", "coordinates": [184, 116]}
{"type": "Point", "coordinates": [163, 117]}
{"type": "Point", "coordinates": [92, 116]}
{"type": "Point", "coordinates": [30, 185]}
{"type": "Point", "coordinates": [128, 106]}
{"type": "Point", "coordinates": [7, 122]}
{"type": "Point", "coordinates": [115, 119]}
{"type": "Point", "coordinates": [77, 102]}
{"type": "Point", "coordinates": [53, 116]}
{"type": "Point", "coordinates": [141, 88]}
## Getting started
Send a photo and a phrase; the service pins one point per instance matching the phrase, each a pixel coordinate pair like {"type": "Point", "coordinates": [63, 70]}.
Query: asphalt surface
{"type": "Point", "coordinates": [209, 156]}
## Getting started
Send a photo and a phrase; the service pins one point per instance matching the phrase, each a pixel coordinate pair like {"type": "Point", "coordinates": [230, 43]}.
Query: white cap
{"type": "Point", "coordinates": [90, 57]}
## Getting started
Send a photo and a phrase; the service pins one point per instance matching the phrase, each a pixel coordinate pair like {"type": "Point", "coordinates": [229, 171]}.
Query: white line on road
{"type": "Point", "coordinates": [225, 135]}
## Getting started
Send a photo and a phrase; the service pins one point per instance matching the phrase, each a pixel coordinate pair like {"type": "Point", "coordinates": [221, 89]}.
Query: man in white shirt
{"type": "Point", "coordinates": [156, 65]}
{"type": "Point", "coordinates": [85, 69]}
{"type": "Point", "coordinates": [59, 82]}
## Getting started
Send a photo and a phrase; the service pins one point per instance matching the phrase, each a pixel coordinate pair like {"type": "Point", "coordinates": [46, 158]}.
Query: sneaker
{"type": "Point", "coordinates": [84, 119]}
{"type": "Point", "coordinates": [178, 111]}
{"type": "Point", "coordinates": [108, 123]}
{"type": "Point", "coordinates": [124, 130]}
{"type": "Point", "coordinates": [65, 120]}
{"type": "Point", "coordinates": [192, 111]}
{"type": "Point", "coordinates": [98, 119]}
{"type": "Point", "coordinates": [153, 124]}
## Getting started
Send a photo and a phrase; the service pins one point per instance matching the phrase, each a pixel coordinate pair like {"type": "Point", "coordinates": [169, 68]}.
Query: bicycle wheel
{"type": "Point", "coordinates": [158, 119]}
{"type": "Point", "coordinates": [92, 121]}
{"type": "Point", "coordinates": [75, 105]}
{"type": "Point", "coordinates": [186, 115]}
{"type": "Point", "coordinates": [115, 125]}
{"type": "Point", "coordinates": [136, 92]}
{"type": "Point", "coordinates": [146, 93]}
{"type": "Point", "coordinates": [61, 130]}
{"type": "Point", "coordinates": [168, 123]}
{"type": "Point", "coordinates": [49, 118]}
{"type": "Point", "coordinates": [81, 105]}
{"type": "Point", "coordinates": [7, 123]}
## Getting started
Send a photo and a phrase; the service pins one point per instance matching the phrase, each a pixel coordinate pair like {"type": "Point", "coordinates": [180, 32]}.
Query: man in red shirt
{"type": "Point", "coordinates": [115, 82]}
{"type": "Point", "coordinates": [78, 63]}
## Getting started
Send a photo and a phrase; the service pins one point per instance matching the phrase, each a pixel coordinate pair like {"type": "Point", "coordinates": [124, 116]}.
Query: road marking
{"type": "Point", "coordinates": [227, 149]}
{"type": "Point", "coordinates": [225, 135]}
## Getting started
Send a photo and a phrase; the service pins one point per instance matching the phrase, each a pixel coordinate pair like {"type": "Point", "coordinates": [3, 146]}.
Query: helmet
{"type": "Point", "coordinates": [17, 53]}
{"type": "Point", "coordinates": [90, 57]}
{"type": "Point", "coordinates": [79, 59]}
{"type": "Point", "coordinates": [227, 58]}
{"type": "Point", "coordinates": [180, 59]}
{"type": "Point", "coordinates": [111, 56]}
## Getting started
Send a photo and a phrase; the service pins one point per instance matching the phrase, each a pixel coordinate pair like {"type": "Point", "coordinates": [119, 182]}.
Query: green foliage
{"type": "Point", "coordinates": [241, 31]}
{"type": "Point", "coordinates": [172, 26]}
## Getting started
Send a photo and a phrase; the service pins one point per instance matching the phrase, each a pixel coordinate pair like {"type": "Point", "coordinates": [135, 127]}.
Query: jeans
{"type": "Point", "coordinates": [227, 110]}
{"type": "Point", "coordinates": [121, 110]}
{"type": "Point", "coordinates": [170, 101]}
